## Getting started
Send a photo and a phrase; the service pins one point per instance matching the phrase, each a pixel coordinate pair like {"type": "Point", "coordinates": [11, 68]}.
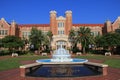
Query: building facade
{"type": "Point", "coordinates": [60, 27]}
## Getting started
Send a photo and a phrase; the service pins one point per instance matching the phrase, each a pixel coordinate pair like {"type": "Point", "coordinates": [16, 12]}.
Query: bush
{"type": "Point", "coordinates": [75, 50]}
{"type": "Point", "coordinates": [4, 52]}
{"type": "Point", "coordinates": [118, 50]}
{"type": "Point", "coordinates": [98, 51]}
{"type": "Point", "coordinates": [7, 52]}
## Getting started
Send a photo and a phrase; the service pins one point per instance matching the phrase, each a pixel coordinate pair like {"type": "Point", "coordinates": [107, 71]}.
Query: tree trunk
{"type": "Point", "coordinates": [83, 50]}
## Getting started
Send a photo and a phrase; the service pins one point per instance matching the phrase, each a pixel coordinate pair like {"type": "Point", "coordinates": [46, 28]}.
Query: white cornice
{"type": "Point", "coordinates": [61, 18]}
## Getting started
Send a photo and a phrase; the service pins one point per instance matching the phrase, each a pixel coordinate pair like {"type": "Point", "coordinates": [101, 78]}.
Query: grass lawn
{"type": "Point", "coordinates": [14, 62]}
{"type": "Point", "coordinates": [110, 60]}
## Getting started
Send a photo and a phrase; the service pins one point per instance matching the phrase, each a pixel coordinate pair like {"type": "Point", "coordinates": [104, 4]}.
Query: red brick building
{"type": "Point", "coordinates": [59, 25]}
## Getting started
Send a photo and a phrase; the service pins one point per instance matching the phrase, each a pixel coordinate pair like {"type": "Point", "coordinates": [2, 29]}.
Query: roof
{"type": "Point", "coordinates": [33, 25]}
{"type": "Point", "coordinates": [92, 25]}
{"type": "Point", "coordinates": [47, 25]}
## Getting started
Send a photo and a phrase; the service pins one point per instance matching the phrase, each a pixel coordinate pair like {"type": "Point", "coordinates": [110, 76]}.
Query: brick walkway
{"type": "Point", "coordinates": [14, 74]}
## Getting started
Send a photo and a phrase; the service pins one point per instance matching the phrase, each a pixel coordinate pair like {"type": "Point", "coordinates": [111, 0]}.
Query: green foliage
{"type": "Point", "coordinates": [84, 37]}
{"type": "Point", "coordinates": [117, 31]}
{"type": "Point", "coordinates": [118, 50]}
{"type": "Point", "coordinates": [47, 39]}
{"type": "Point", "coordinates": [1, 44]}
{"type": "Point", "coordinates": [12, 42]}
{"type": "Point", "coordinates": [112, 39]}
{"type": "Point", "coordinates": [72, 37]}
{"type": "Point", "coordinates": [109, 39]}
{"type": "Point", "coordinates": [4, 52]}
{"type": "Point", "coordinates": [41, 40]}
{"type": "Point", "coordinates": [49, 34]}
{"type": "Point", "coordinates": [36, 38]}
{"type": "Point", "coordinates": [75, 50]}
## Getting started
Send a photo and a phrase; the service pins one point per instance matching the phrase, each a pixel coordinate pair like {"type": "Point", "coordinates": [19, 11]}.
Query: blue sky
{"type": "Point", "coordinates": [37, 11]}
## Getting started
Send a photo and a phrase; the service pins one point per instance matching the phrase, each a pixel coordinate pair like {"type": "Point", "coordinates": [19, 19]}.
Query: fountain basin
{"type": "Point", "coordinates": [73, 60]}
{"type": "Point", "coordinates": [63, 70]}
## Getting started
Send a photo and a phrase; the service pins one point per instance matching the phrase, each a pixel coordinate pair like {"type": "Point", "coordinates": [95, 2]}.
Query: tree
{"type": "Point", "coordinates": [117, 31]}
{"type": "Point", "coordinates": [46, 43]}
{"type": "Point", "coordinates": [111, 40]}
{"type": "Point", "coordinates": [1, 44]}
{"type": "Point", "coordinates": [49, 35]}
{"type": "Point", "coordinates": [99, 41]}
{"type": "Point", "coordinates": [12, 42]}
{"type": "Point", "coordinates": [72, 37]}
{"type": "Point", "coordinates": [84, 37]}
{"type": "Point", "coordinates": [108, 41]}
{"type": "Point", "coordinates": [36, 38]}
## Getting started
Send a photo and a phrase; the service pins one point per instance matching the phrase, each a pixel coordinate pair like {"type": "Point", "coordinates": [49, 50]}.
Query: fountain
{"type": "Point", "coordinates": [62, 65]}
{"type": "Point", "coordinates": [62, 55]}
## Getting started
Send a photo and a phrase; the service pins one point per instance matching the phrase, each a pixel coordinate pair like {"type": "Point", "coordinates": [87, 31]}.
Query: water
{"type": "Point", "coordinates": [73, 60]}
{"type": "Point", "coordinates": [63, 71]}
{"type": "Point", "coordinates": [61, 55]}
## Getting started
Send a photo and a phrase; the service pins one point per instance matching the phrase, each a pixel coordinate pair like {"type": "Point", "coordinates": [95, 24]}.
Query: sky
{"type": "Point", "coordinates": [37, 11]}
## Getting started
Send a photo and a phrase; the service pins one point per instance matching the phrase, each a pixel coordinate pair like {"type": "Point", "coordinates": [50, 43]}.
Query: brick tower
{"type": "Point", "coordinates": [107, 27]}
{"type": "Point", "coordinates": [68, 26]}
{"type": "Point", "coordinates": [13, 28]}
{"type": "Point", "coordinates": [53, 22]}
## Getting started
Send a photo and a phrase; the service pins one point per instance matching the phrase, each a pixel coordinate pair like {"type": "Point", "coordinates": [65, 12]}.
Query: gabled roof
{"type": "Point", "coordinates": [92, 25]}
{"type": "Point", "coordinates": [33, 25]}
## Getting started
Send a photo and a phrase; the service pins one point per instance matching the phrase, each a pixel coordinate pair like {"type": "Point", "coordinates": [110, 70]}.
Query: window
{"type": "Point", "coordinates": [95, 33]}
{"type": "Point", "coordinates": [25, 34]}
{"type": "Point", "coordinates": [61, 42]}
{"type": "Point", "coordinates": [3, 32]}
{"type": "Point", "coordinates": [60, 32]}
{"type": "Point", "coordinates": [60, 24]}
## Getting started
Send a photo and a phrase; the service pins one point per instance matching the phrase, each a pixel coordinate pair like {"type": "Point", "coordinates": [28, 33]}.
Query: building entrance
{"type": "Point", "coordinates": [63, 43]}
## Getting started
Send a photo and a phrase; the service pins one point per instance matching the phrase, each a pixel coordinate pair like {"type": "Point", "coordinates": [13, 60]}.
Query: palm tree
{"type": "Point", "coordinates": [84, 37]}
